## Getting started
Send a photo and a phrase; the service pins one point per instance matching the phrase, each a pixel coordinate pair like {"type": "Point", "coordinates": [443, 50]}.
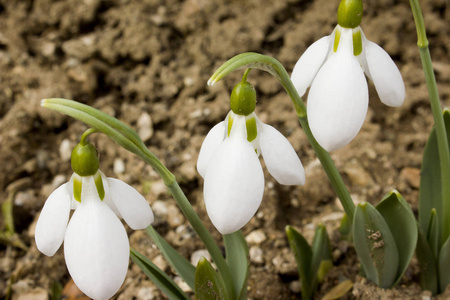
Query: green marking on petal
{"type": "Point", "coordinates": [252, 130]}
{"type": "Point", "coordinates": [77, 186]}
{"type": "Point", "coordinates": [99, 185]}
{"type": "Point", "coordinates": [337, 37]}
{"type": "Point", "coordinates": [230, 124]}
{"type": "Point", "coordinates": [357, 43]}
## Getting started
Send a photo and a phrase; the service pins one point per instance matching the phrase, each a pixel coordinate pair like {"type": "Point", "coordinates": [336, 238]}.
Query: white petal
{"type": "Point", "coordinates": [384, 74]}
{"type": "Point", "coordinates": [108, 199]}
{"type": "Point", "coordinates": [52, 222]}
{"type": "Point", "coordinates": [309, 64]}
{"type": "Point", "coordinates": [234, 182]}
{"type": "Point", "coordinates": [212, 141]}
{"type": "Point", "coordinates": [132, 206]}
{"type": "Point", "coordinates": [96, 249]}
{"type": "Point", "coordinates": [281, 159]}
{"type": "Point", "coordinates": [338, 99]}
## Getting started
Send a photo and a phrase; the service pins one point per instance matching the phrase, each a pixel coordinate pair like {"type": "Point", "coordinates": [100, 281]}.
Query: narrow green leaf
{"type": "Point", "coordinates": [183, 267]}
{"type": "Point", "coordinates": [7, 212]}
{"type": "Point", "coordinates": [430, 193]}
{"type": "Point", "coordinates": [117, 125]}
{"type": "Point", "coordinates": [434, 233]}
{"type": "Point", "coordinates": [324, 267]}
{"type": "Point", "coordinates": [401, 221]}
{"type": "Point", "coordinates": [375, 245]}
{"type": "Point", "coordinates": [207, 283]}
{"type": "Point", "coordinates": [303, 257]}
{"type": "Point", "coordinates": [339, 291]}
{"type": "Point", "coordinates": [236, 250]}
{"type": "Point", "coordinates": [158, 277]}
{"type": "Point", "coordinates": [345, 228]}
{"type": "Point", "coordinates": [427, 261]}
{"type": "Point", "coordinates": [444, 262]}
{"type": "Point", "coordinates": [321, 252]}
{"type": "Point", "coordinates": [56, 289]}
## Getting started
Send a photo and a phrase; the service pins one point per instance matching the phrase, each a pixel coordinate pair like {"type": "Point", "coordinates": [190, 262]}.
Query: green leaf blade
{"type": "Point", "coordinates": [430, 193]}
{"type": "Point", "coordinates": [321, 252]}
{"type": "Point", "coordinates": [401, 222]}
{"type": "Point", "coordinates": [207, 282]}
{"type": "Point", "coordinates": [158, 277]}
{"type": "Point", "coordinates": [303, 256]}
{"type": "Point", "coordinates": [434, 233]}
{"type": "Point", "coordinates": [183, 267]}
{"type": "Point", "coordinates": [427, 260]}
{"type": "Point", "coordinates": [375, 245]}
{"type": "Point", "coordinates": [444, 262]}
{"type": "Point", "coordinates": [236, 250]}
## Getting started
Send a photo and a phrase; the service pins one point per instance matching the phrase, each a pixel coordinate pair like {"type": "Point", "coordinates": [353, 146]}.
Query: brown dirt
{"type": "Point", "coordinates": [132, 59]}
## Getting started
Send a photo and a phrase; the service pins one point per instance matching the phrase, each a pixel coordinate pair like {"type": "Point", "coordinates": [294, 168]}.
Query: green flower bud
{"type": "Point", "coordinates": [84, 159]}
{"type": "Point", "coordinates": [243, 99]}
{"type": "Point", "coordinates": [350, 13]}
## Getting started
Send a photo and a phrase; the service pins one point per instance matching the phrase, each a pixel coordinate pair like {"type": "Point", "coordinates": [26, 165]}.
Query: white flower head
{"type": "Point", "coordinates": [229, 163]}
{"type": "Point", "coordinates": [334, 68]}
{"type": "Point", "coordinates": [96, 246]}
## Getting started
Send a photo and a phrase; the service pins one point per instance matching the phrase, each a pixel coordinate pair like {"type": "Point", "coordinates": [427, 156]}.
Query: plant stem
{"type": "Point", "coordinates": [86, 134]}
{"type": "Point", "coordinates": [325, 159]}
{"type": "Point", "coordinates": [443, 148]}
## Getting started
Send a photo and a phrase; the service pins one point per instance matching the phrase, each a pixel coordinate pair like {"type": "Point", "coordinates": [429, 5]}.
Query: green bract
{"type": "Point", "coordinates": [350, 13]}
{"type": "Point", "coordinates": [84, 159]}
{"type": "Point", "coordinates": [243, 99]}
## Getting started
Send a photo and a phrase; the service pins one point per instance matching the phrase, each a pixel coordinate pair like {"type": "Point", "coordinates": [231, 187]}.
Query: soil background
{"type": "Point", "coordinates": [147, 63]}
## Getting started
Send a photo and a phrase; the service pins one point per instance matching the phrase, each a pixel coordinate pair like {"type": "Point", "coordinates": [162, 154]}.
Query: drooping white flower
{"type": "Point", "coordinates": [96, 246]}
{"type": "Point", "coordinates": [334, 68]}
{"type": "Point", "coordinates": [234, 180]}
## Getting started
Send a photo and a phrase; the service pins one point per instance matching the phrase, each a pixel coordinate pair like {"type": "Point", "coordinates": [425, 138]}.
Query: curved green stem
{"type": "Point", "coordinates": [275, 68]}
{"type": "Point", "coordinates": [130, 140]}
{"type": "Point", "coordinates": [443, 148]}
{"type": "Point", "coordinates": [86, 134]}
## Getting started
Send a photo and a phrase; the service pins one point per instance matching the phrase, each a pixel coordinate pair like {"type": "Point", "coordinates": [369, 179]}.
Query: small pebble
{"type": "Point", "coordinates": [119, 166]}
{"type": "Point", "coordinates": [147, 293]}
{"type": "Point", "coordinates": [358, 175]}
{"type": "Point", "coordinates": [182, 284]}
{"type": "Point", "coordinates": [160, 262]}
{"type": "Point", "coordinates": [295, 286]}
{"type": "Point", "coordinates": [48, 49]}
{"type": "Point", "coordinates": [145, 126]}
{"type": "Point", "coordinates": [256, 255]}
{"type": "Point", "coordinates": [256, 237]}
{"type": "Point", "coordinates": [160, 208]}
{"type": "Point", "coordinates": [174, 216]}
{"type": "Point", "coordinates": [284, 262]}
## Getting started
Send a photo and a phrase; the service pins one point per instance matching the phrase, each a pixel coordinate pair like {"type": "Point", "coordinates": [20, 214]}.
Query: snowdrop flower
{"type": "Point", "coordinates": [96, 246]}
{"type": "Point", "coordinates": [334, 67]}
{"type": "Point", "coordinates": [228, 161]}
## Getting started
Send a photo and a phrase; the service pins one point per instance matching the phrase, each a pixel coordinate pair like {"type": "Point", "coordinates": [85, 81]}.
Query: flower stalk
{"type": "Point", "coordinates": [443, 148]}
